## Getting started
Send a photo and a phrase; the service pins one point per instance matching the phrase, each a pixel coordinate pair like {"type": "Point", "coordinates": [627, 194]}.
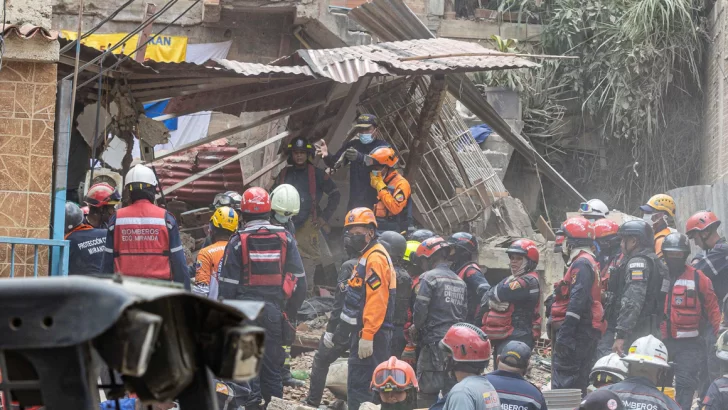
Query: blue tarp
{"type": "Point", "coordinates": [156, 109]}
{"type": "Point", "coordinates": [481, 132]}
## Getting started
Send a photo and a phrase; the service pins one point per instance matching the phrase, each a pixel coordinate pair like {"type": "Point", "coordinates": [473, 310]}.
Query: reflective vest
{"type": "Point", "coordinates": [562, 295]}
{"type": "Point", "coordinates": [683, 307]}
{"type": "Point", "coordinates": [499, 325]}
{"type": "Point", "coordinates": [263, 249]}
{"type": "Point", "coordinates": [141, 241]}
{"type": "Point", "coordinates": [467, 270]}
{"type": "Point", "coordinates": [393, 181]}
{"type": "Point", "coordinates": [355, 294]}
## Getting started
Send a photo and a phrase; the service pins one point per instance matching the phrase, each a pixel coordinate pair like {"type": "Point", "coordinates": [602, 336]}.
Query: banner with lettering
{"type": "Point", "coordinates": [164, 49]}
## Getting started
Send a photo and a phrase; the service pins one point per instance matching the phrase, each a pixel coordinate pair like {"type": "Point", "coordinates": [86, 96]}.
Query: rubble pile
{"type": "Point", "coordinates": [302, 365]}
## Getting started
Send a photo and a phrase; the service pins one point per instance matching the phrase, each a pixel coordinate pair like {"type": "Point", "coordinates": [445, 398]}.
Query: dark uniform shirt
{"type": "Point", "coordinates": [515, 392]}
{"type": "Point", "coordinates": [344, 275]}
{"type": "Point", "coordinates": [440, 303]}
{"type": "Point", "coordinates": [579, 311]}
{"type": "Point", "coordinates": [640, 393]}
{"type": "Point", "coordinates": [361, 192]}
{"type": "Point", "coordinates": [478, 286]}
{"type": "Point", "coordinates": [717, 396]}
{"type": "Point", "coordinates": [298, 177]}
{"type": "Point", "coordinates": [86, 250]}
{"type": "Point", "coordinates": [524, 292]}
{"type": "Point", "coordinates": [714, 264]}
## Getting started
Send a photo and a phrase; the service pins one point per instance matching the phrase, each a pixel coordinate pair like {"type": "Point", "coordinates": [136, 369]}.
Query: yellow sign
{"type": "Point", "coordinates": [164, 49]}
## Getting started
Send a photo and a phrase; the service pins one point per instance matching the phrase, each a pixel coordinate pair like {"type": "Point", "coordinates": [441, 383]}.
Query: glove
{"type": "Point", "coordinates": [351, 154]}
{"type": "Point", "coordinates": [366, 348]}
{"type": "Point", "coordinates": [412, 332]}
{"type": "Point", "coordinates": [498, 306]}
{"type": "Point", "coordinates": [329, 340]}
{"type": "Point", "coordinates": [409, 354]}
{"type": "Point", "coordinates": [377, 182]}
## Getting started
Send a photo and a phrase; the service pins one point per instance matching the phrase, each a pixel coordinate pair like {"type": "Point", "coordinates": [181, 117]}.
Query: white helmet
{"type": "Point", "coordinates": [648, 350]}
{"type": "Point", "coordinates": [285, 202]}
{"type": "Point", "coordinates": [609, 365]}
{"type": "Point", "coordinates": [594, 208]}
{"type": "Point", "coordinates": [140, 174]}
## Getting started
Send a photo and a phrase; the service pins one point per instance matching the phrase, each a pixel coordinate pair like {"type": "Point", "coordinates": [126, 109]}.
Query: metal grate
{"type": "Point", "coordinates": [455, 183]}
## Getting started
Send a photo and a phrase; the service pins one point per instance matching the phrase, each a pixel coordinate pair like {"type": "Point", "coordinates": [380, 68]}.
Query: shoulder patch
{"type": "Point", "coordinates": [417, 287]}
{"type": "Point", "coordinates": [516, 284]}
{"type": "Point", "coordinates": [636, 265]}
{"type": "Point", "coordinates": [222, 388]}
{"type": "Point", "coordinates": [637, 275]}
{"type": "Point", "coordinates": [374, 281]}
{"type": "Point", "coordinates": [399, 197]}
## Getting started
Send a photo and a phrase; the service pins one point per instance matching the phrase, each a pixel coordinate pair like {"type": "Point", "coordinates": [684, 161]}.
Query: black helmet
{"type": "Point", "coordinates": [640, 230]}
{"type": "Point", "coordinates": [676, 242]}
{"type": "Point", "coordinates": [74, 216]}
{"type": "Point", "coordinates": [394, 243]}
{"type": "Point", "coordinates": [420, 235]}
{"type": "Point", "coordinates": [464, 241]}
{"type": "Point", "coordinates": [300, 144]}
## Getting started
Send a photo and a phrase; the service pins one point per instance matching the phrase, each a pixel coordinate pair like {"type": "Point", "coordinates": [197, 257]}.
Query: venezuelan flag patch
{"type": "Point", "coordinates": [399, 197]}
{"type": "Point", "coordinates": [637, 275]}
{"type": "Point", "coordinates": [374, 281]}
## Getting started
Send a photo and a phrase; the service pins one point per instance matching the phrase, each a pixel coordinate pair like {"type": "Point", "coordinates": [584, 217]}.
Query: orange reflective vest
{"type": "Point", "coordinates": [141, 241]}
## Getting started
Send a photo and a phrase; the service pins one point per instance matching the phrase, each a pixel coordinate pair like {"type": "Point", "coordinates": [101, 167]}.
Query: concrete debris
{"type": "Point", "coordinates": [509, 218]}
{"type": "Point", "coordinates": [369, 406]}
{"type": "Point", "coordinates": [337, 377]}
{"type": "Point", "coordinates": [304, 362]}
{"type": "Point", "coordinates": [151, 131]}
{"type": "Point", "coordinates": [282, 404]}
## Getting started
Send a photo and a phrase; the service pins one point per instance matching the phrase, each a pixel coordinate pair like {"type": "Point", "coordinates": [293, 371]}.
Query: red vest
{"type": "Point", "coordinates": [499, 325]}
{"type": "Point", "coordinates": [263, 249]}
{"type": "Point", "coordinates": [141, 241]}
{"type": "Point", "coordinates": [562, 293]}
{"type": "Point", "coordinates": [683, 307]}
{"type": "Point", "coordinates": [468, 270]}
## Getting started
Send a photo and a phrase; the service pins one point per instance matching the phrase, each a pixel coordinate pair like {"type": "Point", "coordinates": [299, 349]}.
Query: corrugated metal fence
{"type": "Point", "coordinates": [691, 199]}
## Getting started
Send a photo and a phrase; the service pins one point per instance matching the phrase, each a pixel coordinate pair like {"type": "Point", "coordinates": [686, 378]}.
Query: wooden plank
{"type": "Point", "coordinates": [545, 229]}
{"type": "Point", "coordinates": [150, 9]}
{"type": "Point", "coordinates": [221, 164]}
{"type": "Point", "coordinates": [436, 93]}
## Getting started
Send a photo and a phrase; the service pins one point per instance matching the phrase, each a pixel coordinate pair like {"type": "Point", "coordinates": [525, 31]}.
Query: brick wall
{"type": "Point", "coordinates": [27, 112]}
{"type": "Point", "coordinates": [714, 142]}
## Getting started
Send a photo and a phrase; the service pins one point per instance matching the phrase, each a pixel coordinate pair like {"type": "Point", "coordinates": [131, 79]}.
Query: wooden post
{"type": "Point", "coordinates": [149, 11]}
{"type": "Point", "coordinates": [429, 112]}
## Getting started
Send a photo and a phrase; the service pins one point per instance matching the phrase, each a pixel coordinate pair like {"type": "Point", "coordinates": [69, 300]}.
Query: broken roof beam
{"type": "Point", "coordinates": [430, 111]}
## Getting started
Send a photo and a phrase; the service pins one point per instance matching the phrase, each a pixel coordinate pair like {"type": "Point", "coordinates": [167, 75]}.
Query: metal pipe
{"type": "Point", "coordinates": [96, 127]}
{"type": "Point", "coordinates": [63, 139]}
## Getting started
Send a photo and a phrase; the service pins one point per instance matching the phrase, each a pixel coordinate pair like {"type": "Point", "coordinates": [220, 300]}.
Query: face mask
{"type": "Point", "coordinates": [356, 242]}
{"type": "Point", "coordinates": [520, 270]}
{"type": "Point", "coordinates": [282, 219]}
{"type": "Point", "coordinates": [676, 266]}
{"type": "Point", "coordinates": [366, 138]}
{"type": "Point", "coordinates": [647, 218]}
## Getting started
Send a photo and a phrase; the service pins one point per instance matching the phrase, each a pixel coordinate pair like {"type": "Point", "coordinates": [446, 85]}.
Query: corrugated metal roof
{"type": "Point", "coordinates": [691, 199]}
{"type": "Point", "coordinates": [28, 31]}
{"type": "Point", "coordinates": [257, 70]}
{"type": "Point", "coordinates": [445, 56]}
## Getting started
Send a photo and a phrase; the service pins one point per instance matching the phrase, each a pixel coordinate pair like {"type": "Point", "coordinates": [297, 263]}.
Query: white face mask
{"type": "Point", "coordinates": [282, 219]}
{"type": "Point", "coordinates": [647, 218]}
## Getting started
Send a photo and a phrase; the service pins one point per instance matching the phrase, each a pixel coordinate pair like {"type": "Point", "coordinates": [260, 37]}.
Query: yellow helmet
{"type": "Point", "coordinates": [660, 202]}
{"type": "Point", "coordinates": [411, 249]}
{"type": "Point", "coordinates": [225, 218]}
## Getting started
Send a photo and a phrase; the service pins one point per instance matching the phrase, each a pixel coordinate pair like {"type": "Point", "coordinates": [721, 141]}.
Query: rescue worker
{"type": "Point", "coordinates": [463, 256]}
{"type": "Point", "coordinates": [393, 191]}
{"type": "Point", "coordinates": [593, 209]}
{"type": "Point", "coordinates": [576, 315]}
{"type": "Point", "coordinates": [86, 243]}
{"type": "Point", "coordinates": [312, 184]}
{"type": "Point", "coordinates": [229, 198]}
{"type": "Point", "coordinates": [285, 203]}
{"type": "Point", "coordinates": [716, 397]}
{"type": "Point", "coordinates": [336, 340]}
{"type": "Point", "coordinates": [514, 391]}
{"type": "Point", "coordinates": [647, 363]}
{"type": "Point", "coordinates": [396, 384]}
{"type": "Point", "coordinates": [608, 370]}
{"type": "Point", "coordinates": [368, 308]}
{"type": "Point", "coordinates": [143, 239]}
{"type": "Point", "coordinates": [658, 212]}
{"type": "Point", "coordinates": [690, 297]}
{"type": "Point", "coordinates": [261, 263]}
{"type": "Point", "coordinates": [223, 223]}
{"type": "Point", "coordinates": [413, 243]}
{"type": "Point", "coordinates": [638, 286]}
{"type": "Point", "coordinates": [101, 200]}
{"type": "Point", "coordinates": [354, 152]}
{"type": "Point", "coordinates": [467, 353]}
{"type": "Point", "coordinates": [514, 303]}
{"type": "Point", "coordinates": [602, 400]}
{"type": "Point", "coordinates": [609, 257]}
{"type": "Point", "coordinates": [440, 302]}
{"type": "Point", "coordinates": [395, 244]}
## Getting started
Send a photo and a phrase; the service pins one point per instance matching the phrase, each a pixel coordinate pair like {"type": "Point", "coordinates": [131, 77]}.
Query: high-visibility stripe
{"type": "Point", "coordinates": [692, 333]}
{"type": "Point", "coordinates": [177, 249]}
{"type": "Point", "coordinates": [519, 399]}
{"type": "Point", "coordinates": [496, 293]}
{"type": "Point", "coordinates": [574, 315]}
{"type": "Point", "coordinates": [425, 298]}
{"type": "Point", "coordinates": [141, 221]}
{"type": "Point", "coordinates": [260, 256]}
{"type": "Point", "coordinates": [715, 272]}
{"type": "Point", "coordinates": [533, 291]}
{"type": "Point", "coordinates": [108, 250]}
{"type": "Point", "coordinates": [689, 283]}
{"type": "Point", "coordinates": [347, 319]}
{"type": "Point", "coordinates": [228, 280]}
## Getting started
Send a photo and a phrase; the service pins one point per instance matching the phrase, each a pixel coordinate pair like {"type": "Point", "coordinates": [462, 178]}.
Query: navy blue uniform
{"type": "Point", "coordinates": [515, 392]}
{"type": "Point", "coordinates": [86, 250]}
{"type": "Point", "coordinates": [323, 184]}
{"type": "Point", "coordinates": [717, 396]}
{"type": "Point", "coordinates": [233, 285]}
{"type": "Point", "coordinates": [641, 393]}
{"type": "Point", "coordinates": [360, 191]}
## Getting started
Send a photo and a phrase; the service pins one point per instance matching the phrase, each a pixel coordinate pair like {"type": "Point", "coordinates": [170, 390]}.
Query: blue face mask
{"type": "Point", "coordinates": [366, 138]}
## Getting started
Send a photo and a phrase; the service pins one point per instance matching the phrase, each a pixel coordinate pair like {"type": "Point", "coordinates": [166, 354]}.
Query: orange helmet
{"type": "Point", "coordinates": [429, 246]}
{"type": "Point", "coordinates": [466, 343]}
{"type": "Point", "coordinates": [384, 156]}
{"type": "Point", "coordinates": [394, 375]}
{"type": "Point", "coordinates": [605, 227]}
{"type": "Point", "coordinates": [360, 216]}
{"type": "Point", "coordinates": [701, 221]}
{"type": "Point", "coordinates": [102, 194]}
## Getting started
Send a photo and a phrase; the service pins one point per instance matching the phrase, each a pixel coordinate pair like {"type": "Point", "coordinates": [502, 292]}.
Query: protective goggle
{"type": "Point", "coordinates": [223, 200]}
{"type": "Point", "coordinates": [391, 379]}
{"type": "Point", "coordinates": [585, 207]}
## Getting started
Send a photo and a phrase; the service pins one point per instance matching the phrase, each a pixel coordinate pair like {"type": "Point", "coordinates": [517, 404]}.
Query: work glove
{"type": "Point", "coordinates": [351, 154]}
{"type": "Point", "coordinates": [498, 306]}
{"type": "Point", "coordinates": [366, 348]}
{"type": "Point", "coordinates": [377, 182]}
{"type": "Point", "coordinates": [328, 340]}
{"type": "Point", "coordinates": [409, 354]}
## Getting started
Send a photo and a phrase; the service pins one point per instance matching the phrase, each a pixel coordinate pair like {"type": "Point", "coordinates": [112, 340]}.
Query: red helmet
{"type": "Point", "coordinates": [102, 194]}
{"type": "Point", "coordinates": [578, 228]}
{"type": "Point", "coordinates": [466, 343]}
{"type": "Point", "coordinates": [605, 227]}
{"type": "Point", "coordinates": [85, 210]}
{"type": "Point", "coordinates": [559, 240]}
{"type": "Point", "coordinates": [524, 247]}
{"type": "Point", "coordinates": [394, 375]}
{"type": "Point", "coordinates": [255, 201]}
{"type": "Point", "coordinates": [429, 246]}
{"type": "Point", "coordinates": [700, 222]}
